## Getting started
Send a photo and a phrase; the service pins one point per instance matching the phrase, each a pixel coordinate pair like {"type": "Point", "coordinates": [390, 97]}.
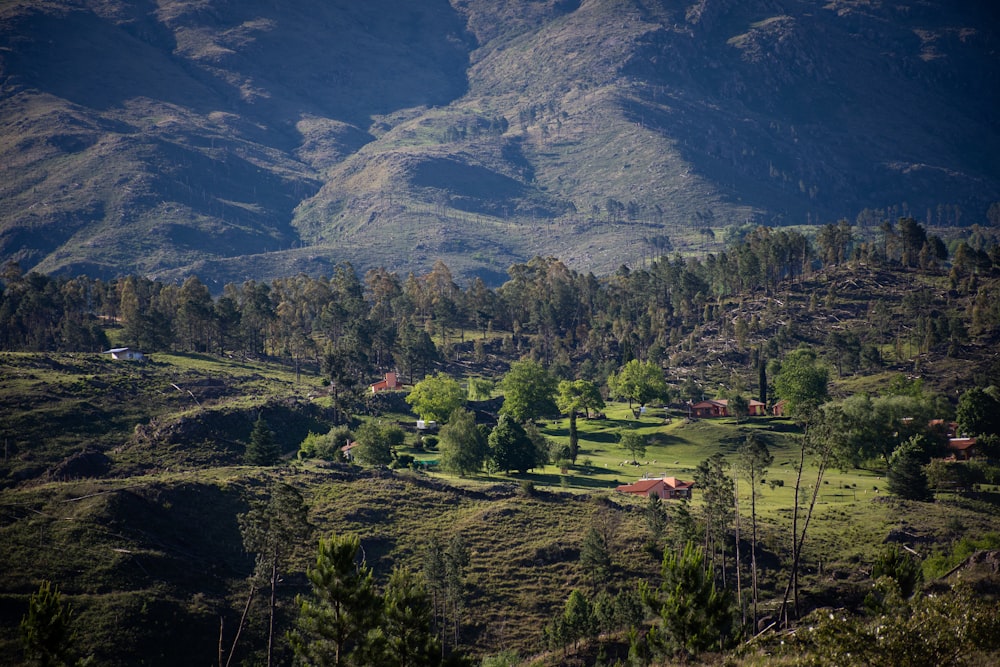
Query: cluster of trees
{"type": "Point", "coordinates": [353, 326]}
{"type": "Point", "coordinates": [345, 619]}
{"type": "Point", "coordinates": [514, 443]}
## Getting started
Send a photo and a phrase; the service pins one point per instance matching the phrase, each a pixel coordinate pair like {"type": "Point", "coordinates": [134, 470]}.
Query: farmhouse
{"type": "Point", "coordinates": [720, 408]}
{"type": "Point", "coordinates": [390, 382]}
{"type": "Point", "coordinates": [664, 487]}
{"type": "Point", "coordinates": [126, 353]}
{"type": "Point", "coordinates": [963, 449]}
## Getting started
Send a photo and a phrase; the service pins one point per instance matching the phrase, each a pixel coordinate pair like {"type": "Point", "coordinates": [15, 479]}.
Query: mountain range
{"type": "Point", "coordinates": [256, 139]}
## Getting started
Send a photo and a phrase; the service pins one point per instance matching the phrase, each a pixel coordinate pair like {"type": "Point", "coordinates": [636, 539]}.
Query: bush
{"type": "Point", "coordinates": [937, 565]}
{"type": "Point", "coordinates": [394, 434]}
{"type": "Point", "coordinates": [326, 446]}
{"type": "Point", "coordinates": [403, 461]}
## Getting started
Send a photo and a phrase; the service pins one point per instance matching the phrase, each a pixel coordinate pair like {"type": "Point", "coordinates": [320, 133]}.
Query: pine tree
{"type": "Point", "coordinates": [343, 606]}
{"type": "Point", "coordinates": [407, 622]}
{"type": "Point", "coordinates": [46, 630]}
{"type": "Point", "coordinates": [754, 460]}
{"type": "Point", "coordinates": [263, 449]}
{"type": "Point", "coordinates": [906, 477]}
{"type": "Point", "coordinates": [595, 557]}
{"type": "Point", "coordinates": [272, 530]}
{"type": "Point", "coordinates": [695, 615]}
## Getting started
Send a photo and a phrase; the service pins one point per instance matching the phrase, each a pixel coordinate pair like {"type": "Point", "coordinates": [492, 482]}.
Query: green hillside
{"type": "Point", "coordinates": [122, 482]}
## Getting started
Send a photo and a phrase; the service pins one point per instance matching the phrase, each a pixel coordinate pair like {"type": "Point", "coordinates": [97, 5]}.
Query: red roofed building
{"type": "Point", "coordinates": [664, 487]}
{"type": "Point", "coordinates": [388, 384]}
{"type": "Point", "coordinates": [963, 448]}
{"type": "Point", "coordinates": [720, 408]}
{"type": "Point", "coordinates": [710, 408]}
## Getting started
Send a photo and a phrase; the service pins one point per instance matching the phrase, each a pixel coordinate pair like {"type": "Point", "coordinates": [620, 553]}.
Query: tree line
{"type": "Point", "coordinates": [350, 328]}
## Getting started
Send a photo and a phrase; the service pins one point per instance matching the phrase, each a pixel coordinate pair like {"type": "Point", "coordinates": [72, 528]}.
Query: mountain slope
{"type": "Point", "coordinates": [253, 140]}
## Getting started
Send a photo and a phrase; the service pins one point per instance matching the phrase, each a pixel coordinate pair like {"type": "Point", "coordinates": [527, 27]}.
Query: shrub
{"type": "Point", "coordinates": [326, 446]}
{"type": "Point", "coordinates": [403, 461]}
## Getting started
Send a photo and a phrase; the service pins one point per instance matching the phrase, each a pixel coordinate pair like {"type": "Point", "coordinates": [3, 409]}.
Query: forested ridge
{"type": "Point", "coordinates": [900, 292]}
{"type": "Point", "coordinates": [185, 495]}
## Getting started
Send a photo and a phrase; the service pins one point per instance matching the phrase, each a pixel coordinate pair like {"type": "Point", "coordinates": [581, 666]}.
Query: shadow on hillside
{"type": "Point", "coordinates": [554, 480]}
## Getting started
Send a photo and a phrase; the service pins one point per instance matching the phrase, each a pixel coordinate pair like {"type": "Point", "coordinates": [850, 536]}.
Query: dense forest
{"type": "Point", "coordinates": [778, 315]}
{"type": "Point", "coordinates": [576, 324]}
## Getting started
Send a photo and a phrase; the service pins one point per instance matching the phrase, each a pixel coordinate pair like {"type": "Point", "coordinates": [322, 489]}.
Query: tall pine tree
{"type": "Point", "coordinates": [263, 449]}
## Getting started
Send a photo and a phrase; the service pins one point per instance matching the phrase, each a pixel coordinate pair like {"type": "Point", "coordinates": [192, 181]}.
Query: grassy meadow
{"type": "Point", "coordinates": [146, 547]}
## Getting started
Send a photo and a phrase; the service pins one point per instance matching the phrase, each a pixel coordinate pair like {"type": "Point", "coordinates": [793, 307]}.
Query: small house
{"type": "Point", "coordinates": [348, 450]}
{"type": "Point", "coordinates": [710, 408]}
{"type": "Point", "coordinates": [388, 383]}
{"type": "Point", "coordinates": [963, 449]}
{"type": "Point", "coordinates": [125, 353]}
{"type": "Point", "coordinates": [667, 488]}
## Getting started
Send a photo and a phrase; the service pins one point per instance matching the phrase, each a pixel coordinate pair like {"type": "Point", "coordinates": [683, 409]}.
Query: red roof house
{"type": "Point", "coordinates": [389, 383]}
{"type": "Point", "coordinates": [710, 408]}
{"type": "Point", "coordinates": [963, 448]}
{"type": "Point", "coordinates": [720, 408]}
{"type": "Point", "coordinates": [664, 487]}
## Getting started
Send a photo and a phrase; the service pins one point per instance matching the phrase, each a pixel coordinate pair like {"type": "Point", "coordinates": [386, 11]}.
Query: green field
{"type": "Point", "coordinates": [149, 553]}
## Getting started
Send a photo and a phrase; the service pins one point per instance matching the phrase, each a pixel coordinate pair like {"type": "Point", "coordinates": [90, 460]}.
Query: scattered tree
{"type": "Point", "coordinates": [407, 622]}
{"type": "Point", "coordinates": [753, 460]}
{"type": "Point", "coordinates": [511, 448]}
{"type": "Point", "coordinates": [716, 489]}
{"type": "Point", "coordinates": [272, 529]}
{"type": "Point", "coordinates": [695, 616]}
{"type": "Point", "coordinates": [375, 442]}
{"type": "Point", "coordinates": [906, 477]}
{"type": "Point", "coordinates": [633, 443]}
{"type": "Point", "coordinates": [528, 390]}
{"type": "Point", "coordinates": [574, 396]}
{"type": "Point", "coordinates": [444, 566]}
{"type": "Point", "coordinates": [595, 556]}
{"type": "Point", "coordinates": [739, 406]}
{"type": "Point", "coordinates": [462, 446]}
{"type": "Point", "coordinates": [801, 381]}
{"type": "Point", "coordinates": [47, 634]}
{"type": "Point", "coordinates": [342, 607]}
{"type": "Point", "coordinates": [262, 449]}
{"type": "Point", "coordinates": [435, 397]}
{"type": "Point", "coordinates": [978, 412]}
{"type": "Point", "coordinates": [639, 381]}
{"type": "Point", "coordinates": [575, 623]}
